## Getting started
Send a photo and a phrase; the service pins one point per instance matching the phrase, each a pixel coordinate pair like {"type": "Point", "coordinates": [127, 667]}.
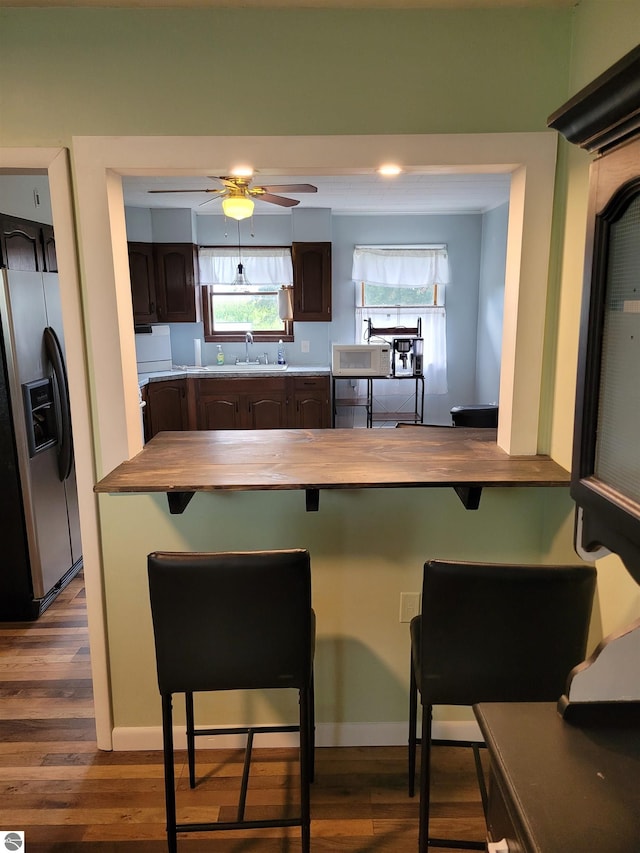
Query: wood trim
{"type": "Point", "coordinates": [607, 111]}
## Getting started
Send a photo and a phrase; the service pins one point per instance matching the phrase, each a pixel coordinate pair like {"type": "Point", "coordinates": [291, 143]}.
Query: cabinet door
{"type": "Point", "coordinates": [310, 403]}
{"type": "Point", "coordinates": [311, 281]}
{"type": "Point", "coordinates": [241, 403]}
{"type": "Point", "coordinates": [143, 287]}
{"type": "Point", "coordinates": [49, 249]}
{"type": "Point", "coordinates": [175, 265]}
{"type": "Point", "coordinates": [21, 242]}
{"type": "Point", "coordinates": [167, 406]}
{"type": "Point", "coordinates": [266, 409]}
{"type": "Point", "coordinates": [218, 404]}
{"type": "Point", "coordinates": [144, 399]}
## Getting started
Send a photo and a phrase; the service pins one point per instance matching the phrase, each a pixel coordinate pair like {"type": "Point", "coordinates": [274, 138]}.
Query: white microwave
{"type": "Point", "coordinates": [361, 360]}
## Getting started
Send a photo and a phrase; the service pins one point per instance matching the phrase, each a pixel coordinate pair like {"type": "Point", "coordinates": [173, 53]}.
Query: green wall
{"type": "Point", "coordinates": [67, 72]}
{"type": "Point", "coordinates": [220, 71]}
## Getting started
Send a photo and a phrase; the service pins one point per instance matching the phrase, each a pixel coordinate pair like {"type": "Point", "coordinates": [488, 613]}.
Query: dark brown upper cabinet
{"type": "Point", "coordinates": [605, 477]}
{"type": "Point", "coordinates": [143, 283]}
{"type": "Point", "coordinates": [176, 266]}
{"type": "Point", "coordinates": [311, 282]}
{"type": "Point", "coordinates": [27, 245]}
{"type": "Point", "coordinates": [164, 283]}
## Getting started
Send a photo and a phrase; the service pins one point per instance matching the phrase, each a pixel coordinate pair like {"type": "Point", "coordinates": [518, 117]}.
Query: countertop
{"type": "Point", "coordinates": [246, 460]}
{"type": "Point", "coordinates": [232, 371]}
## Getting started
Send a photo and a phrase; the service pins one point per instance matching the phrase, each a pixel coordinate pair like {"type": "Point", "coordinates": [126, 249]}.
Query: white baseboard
{"type": "Point", "coordinates": [327, 734]}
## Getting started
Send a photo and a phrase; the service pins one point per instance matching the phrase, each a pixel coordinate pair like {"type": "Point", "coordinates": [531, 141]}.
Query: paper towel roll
{"type": "Point", "coordinates": [197, 352]}
{"type": "Point", "coordinates": [285, 303]}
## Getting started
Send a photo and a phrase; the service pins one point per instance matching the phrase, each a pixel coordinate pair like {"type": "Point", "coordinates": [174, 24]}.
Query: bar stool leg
{"type": "Point", "coordinates": [191, 738]}
{"type": "Point", "coordinates": [425, 778]}
{"type": "Point", "coordinates": [413, 721]}
{"type": "Point", "coordinates": [169, 773]}
{"type": "Point", "coordinates": [305, 766]}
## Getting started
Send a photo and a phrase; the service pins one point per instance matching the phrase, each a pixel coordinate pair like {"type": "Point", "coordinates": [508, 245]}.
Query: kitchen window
{"type": "Point", "coordinates": [395, 287]}
{"type": "Point", "coordinates": [240, 290]}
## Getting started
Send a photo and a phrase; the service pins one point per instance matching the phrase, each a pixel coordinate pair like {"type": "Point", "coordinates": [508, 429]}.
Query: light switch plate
{"type": "Point", "coordinates": [409, 605]}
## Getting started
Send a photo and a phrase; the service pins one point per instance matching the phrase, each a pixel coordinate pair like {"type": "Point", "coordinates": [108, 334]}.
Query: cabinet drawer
{"type": "Point", "coordinates": [300, 383]}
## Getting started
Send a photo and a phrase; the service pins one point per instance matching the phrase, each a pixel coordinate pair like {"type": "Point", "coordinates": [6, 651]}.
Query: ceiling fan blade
{"type": "Point", "coordinates": [208, 201]}
{"type": "Point", "coordinates": [278, 199]}
{"type": "Point", "coordinates": [186, 191]}
{"type": "Point", "coordinates": [291, 188]}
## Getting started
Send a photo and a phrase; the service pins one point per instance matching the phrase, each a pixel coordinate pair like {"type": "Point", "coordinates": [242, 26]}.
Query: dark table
{"type": "Point", "coordinates": [557, 787]}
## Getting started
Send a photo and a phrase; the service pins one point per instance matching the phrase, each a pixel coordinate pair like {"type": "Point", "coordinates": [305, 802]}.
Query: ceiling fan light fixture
{"type": "Point", "coordinates": [237, 207]}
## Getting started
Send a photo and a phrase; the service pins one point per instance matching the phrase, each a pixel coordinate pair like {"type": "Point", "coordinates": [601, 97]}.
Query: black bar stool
{"type": "Point", "coordinates": [491, 633]}
{"type": "Point", "coordinates": [233, 621]}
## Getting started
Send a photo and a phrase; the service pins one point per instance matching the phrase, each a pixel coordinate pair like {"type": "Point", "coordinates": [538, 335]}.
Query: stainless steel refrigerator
{"type": "Point", "coordinates": [39, 523]}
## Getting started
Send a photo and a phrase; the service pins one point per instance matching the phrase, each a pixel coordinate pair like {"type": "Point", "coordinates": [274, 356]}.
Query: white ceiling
{"type": "Point", "coordinates": [344, 194]}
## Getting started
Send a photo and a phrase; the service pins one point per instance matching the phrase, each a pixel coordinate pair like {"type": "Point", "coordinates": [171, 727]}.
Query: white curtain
{"type": "Point", "coordinates": [261, 266]}
{"type": "Point", "coordinates": [408, 266]}
{"type": "Point", "coordinates": [401, 267]}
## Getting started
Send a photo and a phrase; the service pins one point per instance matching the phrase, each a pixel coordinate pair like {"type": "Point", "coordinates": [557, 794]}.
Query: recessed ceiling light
{"type": "Point", "coordinates": [242, 172]}
{"type": "Point", "coordinates": [389, 169]}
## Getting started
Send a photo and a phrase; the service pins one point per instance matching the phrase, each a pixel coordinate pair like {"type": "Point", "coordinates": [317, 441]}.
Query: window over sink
{"type": "Point", "coordinates": [240, 292]}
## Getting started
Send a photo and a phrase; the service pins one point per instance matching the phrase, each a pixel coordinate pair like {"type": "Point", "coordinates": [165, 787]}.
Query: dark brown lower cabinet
{"type": "Point", "coordinates": [272, 402]}
{"type": "Point", "coordinates": [166, 407]}
{"type": "Point", "coordinates": [268, 403]}
{"type": "Point", "coordinates": [310, 402]}
{"type": "Point", "coordinates": [240, 404]}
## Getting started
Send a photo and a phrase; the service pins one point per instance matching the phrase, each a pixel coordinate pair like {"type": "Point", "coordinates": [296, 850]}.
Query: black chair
{"type": "Point", "coordinates": [233, 621]}
{"type": "Point", "coordinates": [491, 633]}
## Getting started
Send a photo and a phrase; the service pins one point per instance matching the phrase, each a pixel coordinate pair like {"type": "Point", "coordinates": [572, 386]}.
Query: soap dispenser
{"type": "Point", "coordinates": [219, 355]}
{"type": "Point", "coordinates": [281, 358]}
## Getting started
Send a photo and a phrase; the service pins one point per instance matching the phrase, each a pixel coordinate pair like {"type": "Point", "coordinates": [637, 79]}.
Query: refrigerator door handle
{"type": "Point", "coordinates": [54, 353]}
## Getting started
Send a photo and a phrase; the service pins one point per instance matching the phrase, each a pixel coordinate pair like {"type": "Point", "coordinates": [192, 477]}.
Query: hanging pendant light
{"type": "Point", "coordinates": [240, 280]}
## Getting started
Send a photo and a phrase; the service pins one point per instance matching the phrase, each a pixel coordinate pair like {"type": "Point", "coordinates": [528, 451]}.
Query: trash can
{"type": "Point", "coordinates": [475, 416]}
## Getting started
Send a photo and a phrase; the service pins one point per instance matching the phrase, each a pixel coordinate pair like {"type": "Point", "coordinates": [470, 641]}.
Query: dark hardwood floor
{"type": "Point", "coordinates": [68, 796]}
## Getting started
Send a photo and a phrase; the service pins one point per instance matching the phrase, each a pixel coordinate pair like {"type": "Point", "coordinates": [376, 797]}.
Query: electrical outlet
{"type": "Point", "coordinates": [409, 605]}
{"type": "Point", "coordinates": [304, 346]}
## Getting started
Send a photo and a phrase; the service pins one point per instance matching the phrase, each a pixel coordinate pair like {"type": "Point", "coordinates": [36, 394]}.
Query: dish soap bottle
{"type": "Point", "coordinates": [281, 359]}
{"type": "Point", "coordinates": [220, 355]}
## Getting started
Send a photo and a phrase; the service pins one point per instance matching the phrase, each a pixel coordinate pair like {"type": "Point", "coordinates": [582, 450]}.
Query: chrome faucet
{"type": "Point", "coordinates": [248, 339]}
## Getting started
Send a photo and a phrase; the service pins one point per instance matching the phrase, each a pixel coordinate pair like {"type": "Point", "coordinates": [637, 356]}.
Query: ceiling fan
{"type": "Point", "coordinates": [237, 195]}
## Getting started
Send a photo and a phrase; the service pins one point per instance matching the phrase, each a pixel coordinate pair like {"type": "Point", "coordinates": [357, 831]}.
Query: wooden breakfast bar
{"type": "Point", "coordinates": [467, 460]}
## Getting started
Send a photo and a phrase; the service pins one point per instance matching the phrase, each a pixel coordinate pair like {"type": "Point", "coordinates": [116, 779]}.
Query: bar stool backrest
{"type": "Point", "coordinates": [235, 620]}
{"type": "Point", "coordinates": [501, 633]}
